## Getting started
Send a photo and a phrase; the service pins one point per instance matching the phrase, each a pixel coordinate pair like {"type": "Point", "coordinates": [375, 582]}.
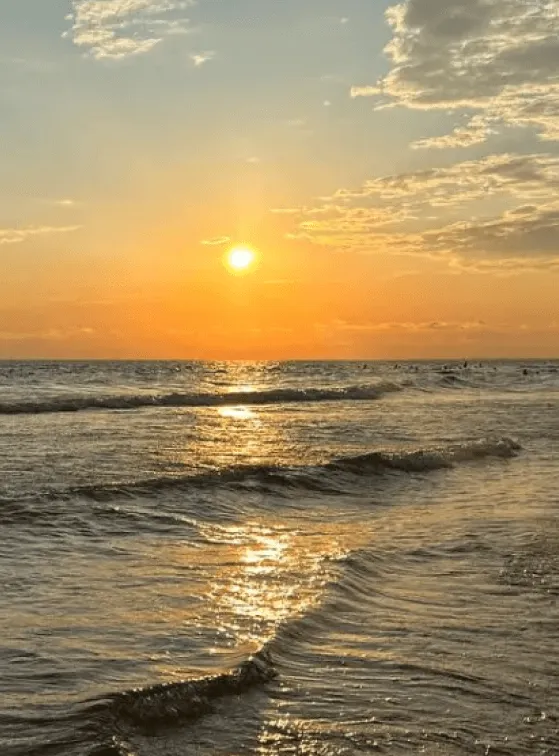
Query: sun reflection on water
{"type": "Point", "coordinates": [241, 388]}
{"type": "Point", "coordinates": [270, 575]}
{"type": "Point", "coordinates": [237, 413]}
{"type": "Point", "coordinates": [212, 601]}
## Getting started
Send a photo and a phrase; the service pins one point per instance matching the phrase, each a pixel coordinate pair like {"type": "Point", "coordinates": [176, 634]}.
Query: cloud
{"type": "Point", "coordinates": [524, 233]}
{"type": "Point", "coordinates": [286, 210]}
{"type": "Point", "coordinates": [121, 28]}
{"type": "Point", "coordinates": [521, 176]}
{"type": "Point", "coordinates": [32, 65]}
{"type": "Point", "coordinates": [66, 202]}
{"type": "Point", "coordinates": [494, 59]}
{"type": "Point", "coordinates": [53, 334]}
{"type": "Point", "coordinates": [497, 212]}
{"type": "Point", "coordinates": [201, 58]}
{"type": "Point", "coordinates": [438, 331]}
{"type": "Point", "coordinates": [412, 327]}
{"type": "Point", "coordinates": [216, 242]}
{"type": "Point", "coordinates": [20, 235]}
{"type": "Point", "coordinates": [367, 91]}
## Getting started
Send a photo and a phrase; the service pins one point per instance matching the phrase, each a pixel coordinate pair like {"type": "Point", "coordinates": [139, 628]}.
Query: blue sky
{"type": "Point", "coordinates": [262, 96]}
{"type": "Point", "coordinates": [422, 136]}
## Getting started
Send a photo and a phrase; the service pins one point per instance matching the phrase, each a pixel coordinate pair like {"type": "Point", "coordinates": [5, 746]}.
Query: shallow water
{"type": "Point", "coordinates": [313, 558]}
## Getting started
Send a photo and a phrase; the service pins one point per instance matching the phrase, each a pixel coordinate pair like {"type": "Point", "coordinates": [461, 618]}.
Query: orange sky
{"type": "Point", "coordinates": [297, 303]}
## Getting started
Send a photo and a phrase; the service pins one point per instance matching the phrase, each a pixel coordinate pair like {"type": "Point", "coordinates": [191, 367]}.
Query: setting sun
{"type": "Point", "coordinates": [240, 259]}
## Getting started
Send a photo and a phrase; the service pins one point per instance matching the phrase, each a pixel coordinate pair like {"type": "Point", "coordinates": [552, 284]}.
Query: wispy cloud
{"type": "Point", "coordinates": [66, 202]}
{"type": "Point", "coordinates": [121, 28]}
{"type": "Point", "coordinates": [216, 242]}
{"type": "Point", "coordinates": [31, 65]}
{"type": "Point", "coordinates": [460, 333]}
{"type": "Point", "coordinates": [198, 59]}
{"type": "Point", "coordinates": [413, 327]}
{"type": "Point", "coordinates": [499, 212]}
{"type": "Point", "coordinates": [20, 235]}
{"type": "Point", "coordinates": [286, 210]}
{"type": "Point", "coordinates": [53, 334]}
{"type": "Point", "coordinates": [497, 58]}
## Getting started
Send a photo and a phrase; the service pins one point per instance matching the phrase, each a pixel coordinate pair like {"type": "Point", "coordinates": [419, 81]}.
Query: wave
{"type": "Point", "coordinates": [100, 726]}
{"type": "Point", "coordinates": [338, 476]}
{"type": "Point", "coordinates": [177, 399]}
{"type": "Point", "coordinates": [443, 379]}
{"type": "Point", "coordinates": [423, 460]}
{"type": "Point", "coordinates": [169, 703]}
{"type": "Point", "coordinates": [322, 478]}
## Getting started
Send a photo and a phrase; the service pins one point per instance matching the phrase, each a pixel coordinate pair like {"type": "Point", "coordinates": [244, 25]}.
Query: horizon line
{"type": "Point", "coordinates": [284, 360]}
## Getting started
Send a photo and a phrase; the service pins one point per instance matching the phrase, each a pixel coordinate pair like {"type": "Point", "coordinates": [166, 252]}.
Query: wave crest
{"type": "Point", "coordinates": [337, 476]}
{"type": "Point", "coordinates": [169, 703]}
{"type": "Point", "coordinates": [423, 460]}
{"type": "Point", "coordinates": [177, 399]}
{"type": "Point", "coordinates": [318, 478]}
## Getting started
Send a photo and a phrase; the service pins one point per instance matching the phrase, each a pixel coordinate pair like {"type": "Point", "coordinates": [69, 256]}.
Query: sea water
{"type": "Point", "coordinates": [279, 558]}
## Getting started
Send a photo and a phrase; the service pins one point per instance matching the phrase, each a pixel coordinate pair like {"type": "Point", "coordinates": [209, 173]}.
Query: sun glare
{"type": "Point", "coordinates": [240, 259]}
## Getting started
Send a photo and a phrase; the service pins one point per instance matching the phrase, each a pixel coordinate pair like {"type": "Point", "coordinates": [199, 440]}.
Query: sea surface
{"type": "Point", "coordinates": [325, 558]}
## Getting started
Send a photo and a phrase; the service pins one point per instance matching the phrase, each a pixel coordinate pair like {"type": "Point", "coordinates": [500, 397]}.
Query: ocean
{"type": "Point", "coordinates": [279, 558]}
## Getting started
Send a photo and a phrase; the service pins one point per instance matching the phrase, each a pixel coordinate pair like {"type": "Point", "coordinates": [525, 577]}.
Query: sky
{"type": "Point", "coordinates": [395, 168]}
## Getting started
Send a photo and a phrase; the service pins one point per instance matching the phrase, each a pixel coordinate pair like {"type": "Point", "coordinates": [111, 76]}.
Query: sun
{"type": "Point", "coordinates": [240, 259]}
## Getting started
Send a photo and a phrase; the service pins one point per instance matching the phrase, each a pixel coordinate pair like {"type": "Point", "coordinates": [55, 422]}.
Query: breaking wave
{"type": "Point", "coordinates": [101, 726]}
{"type": "Point", "coordinates": [320, 478]}
{"type": "Point", "coordinates": [423, 460]}
{"type": "Point", "coordinates": [171, 703]}
{"type": "Point", "coordinates": [177, 399]}
{"type": "Point", "coordinates": [339, 477]}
